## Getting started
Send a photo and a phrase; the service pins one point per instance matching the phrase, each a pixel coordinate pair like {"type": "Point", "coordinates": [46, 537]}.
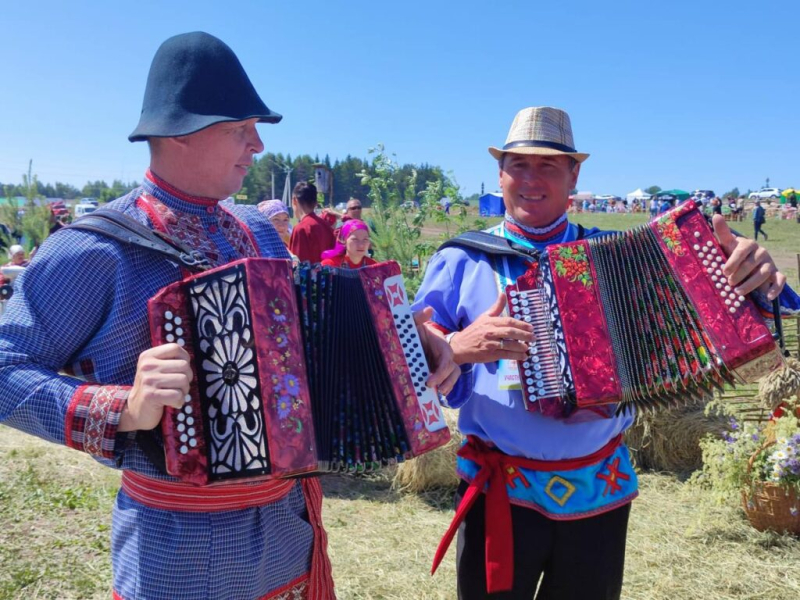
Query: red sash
{"type": "Point", "coordinates": [499, 534]}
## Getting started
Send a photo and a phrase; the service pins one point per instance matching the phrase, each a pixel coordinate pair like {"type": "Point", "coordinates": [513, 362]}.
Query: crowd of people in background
{"type": "Point", "coordinates": [321, 236]}
{"type": "Point", "coordinates": [733, 208]}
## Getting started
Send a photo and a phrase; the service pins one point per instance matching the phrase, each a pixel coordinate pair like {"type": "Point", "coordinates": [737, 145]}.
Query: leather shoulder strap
{"type": "Point", "coordinates": [490, 244]}
{"type": "Point", "coordinates": [119, 226]}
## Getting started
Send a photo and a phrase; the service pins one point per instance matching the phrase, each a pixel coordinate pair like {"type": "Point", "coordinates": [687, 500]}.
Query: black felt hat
{"type": "Point", "coordinates": [195, 81]}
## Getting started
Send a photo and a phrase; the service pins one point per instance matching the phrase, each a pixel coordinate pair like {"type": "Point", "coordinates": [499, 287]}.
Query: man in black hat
{"type": "Point", "coordinates": [82, 310]}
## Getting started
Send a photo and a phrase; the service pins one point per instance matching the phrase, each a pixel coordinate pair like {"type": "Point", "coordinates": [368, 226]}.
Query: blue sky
{"type": "Point", "coordinates": [678, 94]}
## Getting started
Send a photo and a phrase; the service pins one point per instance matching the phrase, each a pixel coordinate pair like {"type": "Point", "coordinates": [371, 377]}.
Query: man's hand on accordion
{"type": "Point", "coordinates": [444, 370]}
{"type": "Point", "coordinates": [163, 375]}
{"type": "Point", "coordinates": [492, 337]}
{"type": "Point", "coordinates": [749, 266]}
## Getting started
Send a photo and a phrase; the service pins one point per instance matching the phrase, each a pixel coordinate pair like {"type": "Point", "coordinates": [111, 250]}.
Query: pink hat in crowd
{"type": "Point", "coordinates": [349, 227]}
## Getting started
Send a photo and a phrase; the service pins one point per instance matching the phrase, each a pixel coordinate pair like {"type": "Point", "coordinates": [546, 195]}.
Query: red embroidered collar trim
{"type": "Point", "coordinates": [173, 191]}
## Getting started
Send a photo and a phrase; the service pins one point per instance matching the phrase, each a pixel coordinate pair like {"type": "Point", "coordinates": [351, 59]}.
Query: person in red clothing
{"type": "Point", "coordinates": [312, 236]}
{"type": "Point", "coordinates": [351, 247]}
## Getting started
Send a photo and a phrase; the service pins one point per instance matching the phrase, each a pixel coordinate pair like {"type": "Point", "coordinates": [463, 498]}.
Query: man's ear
{"type": "Point", "coordinates": [576, 170]}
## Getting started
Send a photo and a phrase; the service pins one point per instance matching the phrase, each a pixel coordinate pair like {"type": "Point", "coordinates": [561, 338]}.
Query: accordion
{"type": "Point", "coordinates": [296, 371]}
{"type": "Point", "coordinates": [642, 318]}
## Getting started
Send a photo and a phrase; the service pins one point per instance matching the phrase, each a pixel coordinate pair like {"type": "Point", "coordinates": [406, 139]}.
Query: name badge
{"type": "Point", "coordinates": [508, 375]}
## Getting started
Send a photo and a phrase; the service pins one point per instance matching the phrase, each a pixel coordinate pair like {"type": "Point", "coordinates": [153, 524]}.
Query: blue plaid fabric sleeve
{"type": "Point", "coordinates": [39, 335]}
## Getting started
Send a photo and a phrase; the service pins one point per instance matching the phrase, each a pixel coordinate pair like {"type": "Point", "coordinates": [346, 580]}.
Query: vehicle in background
{"type": "Point", "coordinates": [701, 194]}
{"type": "Point", "coordinates": [765, 193]}
{"type": "Point", "coordinates": [89, 201]}
{"type": "Point", "coordinates": [84, 209]}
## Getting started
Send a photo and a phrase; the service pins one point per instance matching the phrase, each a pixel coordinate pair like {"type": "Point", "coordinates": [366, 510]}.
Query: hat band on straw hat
{"type": "Point", "coordinates": [539, 144]}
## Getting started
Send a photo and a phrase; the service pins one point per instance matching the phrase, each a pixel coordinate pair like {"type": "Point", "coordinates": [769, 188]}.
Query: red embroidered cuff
{"type": "Point", "coordinates": [437, 327]}
{"type": "Point", "coordinates": [93, 416]}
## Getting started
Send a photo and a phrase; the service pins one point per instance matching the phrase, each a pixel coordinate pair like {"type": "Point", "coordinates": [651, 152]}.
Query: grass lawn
{"type": "Point", "coordinates": [55, 507]}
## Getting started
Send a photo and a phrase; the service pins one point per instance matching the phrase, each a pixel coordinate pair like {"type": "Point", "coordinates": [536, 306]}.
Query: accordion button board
{"type": "Point", "coordinates": [642, 318]}
{"type": "Point", "coordinates": [297, 371]}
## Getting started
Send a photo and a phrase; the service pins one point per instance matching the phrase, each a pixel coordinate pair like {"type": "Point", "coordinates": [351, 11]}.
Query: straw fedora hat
{"type": "Point", "coordinates": [540, 130]}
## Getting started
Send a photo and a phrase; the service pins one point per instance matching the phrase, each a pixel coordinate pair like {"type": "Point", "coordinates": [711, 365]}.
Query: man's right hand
{"type": "Point", "coordinates": [491, 337]}
{"type": "Point", "coordinates": [162, 379]}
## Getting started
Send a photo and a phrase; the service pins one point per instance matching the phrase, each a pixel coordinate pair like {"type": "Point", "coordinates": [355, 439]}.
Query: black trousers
{"type": "Point", "coordinates": [575, 560]}
{"type": "Point", "coordinates": [757, 227]}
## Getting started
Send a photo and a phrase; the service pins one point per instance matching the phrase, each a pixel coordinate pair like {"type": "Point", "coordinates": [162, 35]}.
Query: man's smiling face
{"type": "Point", "coordinates": [536, 187]}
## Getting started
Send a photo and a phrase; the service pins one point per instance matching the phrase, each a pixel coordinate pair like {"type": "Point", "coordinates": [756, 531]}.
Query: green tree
{"type": "Point", "coordinates": [734, 193]}
{"type": "Point", "coordinates": [395, 232]}
{"type": "Point", "coordinates": [653, 189]}
{"type": "Point", "coordinates": [94, 189]}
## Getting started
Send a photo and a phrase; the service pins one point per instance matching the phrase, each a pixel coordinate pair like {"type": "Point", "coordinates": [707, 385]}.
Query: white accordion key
{"type": "Point", "coordinates": [403, 318]}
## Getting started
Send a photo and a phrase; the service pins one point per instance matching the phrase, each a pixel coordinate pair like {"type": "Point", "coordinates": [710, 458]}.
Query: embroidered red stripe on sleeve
{"type": "Point", "coordinates": [437, 327]}
{"type": "Point", "coordinates": [93, 417]}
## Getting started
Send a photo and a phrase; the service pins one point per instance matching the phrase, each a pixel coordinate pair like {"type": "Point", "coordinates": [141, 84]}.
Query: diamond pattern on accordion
{"type": "Point", "coordinates": [173, 325]}
{"type": "Point", "coordinates": [227, 378]}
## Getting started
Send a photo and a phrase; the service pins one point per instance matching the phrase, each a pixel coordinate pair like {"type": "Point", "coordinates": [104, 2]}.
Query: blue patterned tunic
{"type": "Point", "coordinates": [69, 344]}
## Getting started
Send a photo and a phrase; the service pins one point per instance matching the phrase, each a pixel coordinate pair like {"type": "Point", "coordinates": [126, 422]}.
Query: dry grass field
{"type": "Point", "coordinates": [55, 507]}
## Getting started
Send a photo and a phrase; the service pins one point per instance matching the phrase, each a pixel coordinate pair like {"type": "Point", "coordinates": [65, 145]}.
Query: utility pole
{"type": "Point", "coordinates": [272, 186]}
{"type": "Point", "coordinates": [287, 190]}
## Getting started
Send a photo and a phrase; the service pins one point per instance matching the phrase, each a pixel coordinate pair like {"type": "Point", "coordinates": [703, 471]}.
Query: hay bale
{"type": "Point", "coordinates": [781, 385]}
{"type": "Point", "coordinates": [435, 469]}
{"type": "Point", "coordinates": [669, 440]}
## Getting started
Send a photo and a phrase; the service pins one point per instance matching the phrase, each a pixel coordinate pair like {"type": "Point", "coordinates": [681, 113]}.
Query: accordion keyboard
{"type": "Point", "coordinates": [540, 374]}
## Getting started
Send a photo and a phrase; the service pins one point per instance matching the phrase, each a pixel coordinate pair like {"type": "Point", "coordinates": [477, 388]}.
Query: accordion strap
{"type": "Point", "coordinates": [121, 227]}
{"type": "Point", "coordinates": [495, 245]}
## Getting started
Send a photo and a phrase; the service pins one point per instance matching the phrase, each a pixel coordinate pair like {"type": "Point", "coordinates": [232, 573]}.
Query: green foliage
{"type": "Point", "coordinates": [101, 191]}
{"type": "Point", "coordinates": [734, 193]}
{"type": "Point", "coordinates": [410, 180]}
{"type": "Point", "coordinates": [30, 221]}
{"type": "Point", "coordinates": [395, 235]}
{"type": "Point", "coordinates": [399, 213]}
{"type": "Point", "coordinates": [653, 189]}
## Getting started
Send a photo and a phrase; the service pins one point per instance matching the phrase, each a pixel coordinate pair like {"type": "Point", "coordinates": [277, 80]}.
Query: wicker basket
{"type": "Point", "coordinates": [769, 506]}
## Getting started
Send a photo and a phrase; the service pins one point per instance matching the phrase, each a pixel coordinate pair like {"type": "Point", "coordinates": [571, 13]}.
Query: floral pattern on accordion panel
{"type": "Point", "coordinates": [573, 264]}
{"type": "Point", "coordinates": [591, 355]}
{"type": "Point", "coordinates": [670, 234]}
{"type": "Point", "coordinates": [281, 366]}
{"type": "Point", "coordinates": [247, 357]}
{"type": "Point", "coordinates": [732, 323]}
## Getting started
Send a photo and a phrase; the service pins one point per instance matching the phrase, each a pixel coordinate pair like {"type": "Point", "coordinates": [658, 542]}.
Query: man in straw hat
{"type": "Point", "coordinates": [76, 366]}
{"type": "Point", "coordinates": [542, 498]}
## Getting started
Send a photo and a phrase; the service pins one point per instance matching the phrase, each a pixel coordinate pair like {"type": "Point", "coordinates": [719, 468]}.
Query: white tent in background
{"type": "Point", "coordinates": [639, 194]}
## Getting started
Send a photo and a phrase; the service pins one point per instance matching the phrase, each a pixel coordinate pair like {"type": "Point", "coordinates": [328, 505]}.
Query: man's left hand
{"type": "Point", "coordinates": [749, 266]}
{"type": "Point", "coordinates": [444, 370]}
